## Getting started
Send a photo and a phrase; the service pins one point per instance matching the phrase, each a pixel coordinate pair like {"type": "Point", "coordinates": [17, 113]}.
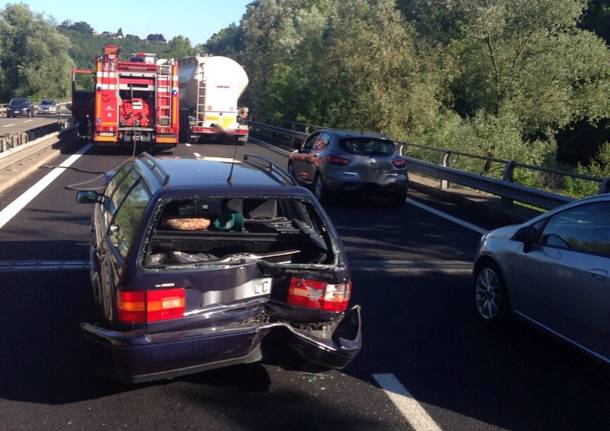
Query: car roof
{"type": "Point", "coordinates": [211, 176]}
{"type": "Point", "coordinates": [340, 134]}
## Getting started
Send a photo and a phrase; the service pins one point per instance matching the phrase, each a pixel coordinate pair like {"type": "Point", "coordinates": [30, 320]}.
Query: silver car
{"type": "Point", "coordinates": [333, 161]}
{"type": "Point", "coordinates": [552, 272]}
{"type": "Point", "coordinates": [47, 106]}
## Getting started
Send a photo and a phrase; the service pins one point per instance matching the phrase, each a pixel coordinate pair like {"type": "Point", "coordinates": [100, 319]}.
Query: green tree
{"type": "Point", "coordinates": [33, 55]}
{"type": "Point", "coordinates": [178, 47]}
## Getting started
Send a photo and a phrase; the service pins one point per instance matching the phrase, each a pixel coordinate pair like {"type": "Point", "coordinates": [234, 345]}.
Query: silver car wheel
{"type": "Point", "coordinates": [487, 293]}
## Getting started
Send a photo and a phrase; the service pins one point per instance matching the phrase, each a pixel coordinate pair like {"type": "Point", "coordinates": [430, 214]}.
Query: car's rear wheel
{"type": "Point", "coordinates": [490, 295]}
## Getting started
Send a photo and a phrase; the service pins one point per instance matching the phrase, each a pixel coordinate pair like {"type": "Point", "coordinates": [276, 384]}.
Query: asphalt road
{"type": "Point", "coordinates": [9, 126]}
{"type": "Point", "coordinates": [411, 276]}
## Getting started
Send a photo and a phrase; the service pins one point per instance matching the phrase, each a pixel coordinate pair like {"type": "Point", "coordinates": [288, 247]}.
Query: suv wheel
{"type": "Point", "coordinates": [490, 296]}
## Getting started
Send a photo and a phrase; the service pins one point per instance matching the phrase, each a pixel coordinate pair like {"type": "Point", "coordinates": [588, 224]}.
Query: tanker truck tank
{"type": "Point", "coordinates": [210, 87]}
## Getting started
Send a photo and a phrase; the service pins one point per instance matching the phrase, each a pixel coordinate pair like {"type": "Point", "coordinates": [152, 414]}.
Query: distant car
{"type": "Point", "coordinates": [199, 264]}
{"type": "Point", "coordinates": [20, 106]}
{"type": "Point", "coordinates": [552, 272]}
{"type": "Point", "coordinates": [333, 161]}
{"type": "Point", "coordinates": [48, 106]}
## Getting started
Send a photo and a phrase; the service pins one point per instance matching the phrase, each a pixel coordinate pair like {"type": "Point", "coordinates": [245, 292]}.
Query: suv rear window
{"type": "Point", "coordinates": [234, 230]}
{"type": "Point", "coordinates": [367, 146]}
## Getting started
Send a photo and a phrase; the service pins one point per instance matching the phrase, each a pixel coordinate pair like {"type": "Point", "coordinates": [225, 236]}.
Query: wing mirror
{"type": "Point", "coordinates": [108, 175]}
{"type": "Point", "coordinates": [528, 236]}
{"type": "Point", "coordinates": [87, 197]}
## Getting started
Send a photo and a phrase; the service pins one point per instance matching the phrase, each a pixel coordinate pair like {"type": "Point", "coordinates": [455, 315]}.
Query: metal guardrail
{"type": "Point", "coordinates": [506, 187]}
{"type": "Point", "coordinates": [14, 140]}
{"type": "Point", "coordinates": [15, 154]}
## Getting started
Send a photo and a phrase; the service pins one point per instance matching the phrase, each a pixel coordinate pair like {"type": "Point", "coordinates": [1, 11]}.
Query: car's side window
{"type": "Point", "coordinates": [585, 229]}
{"type": "Point", "coordinates": [311, 141]}
{"type": "Point", "coordinates": [321, 142]}
{"type": "Point", "coordinates": [125, 181]}
{"type": "Point", "coordinates": [128, 218]}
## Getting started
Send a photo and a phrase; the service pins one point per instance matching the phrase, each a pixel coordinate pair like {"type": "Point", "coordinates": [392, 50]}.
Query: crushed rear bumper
{"type": "Point", "coordinates": [137, 357]}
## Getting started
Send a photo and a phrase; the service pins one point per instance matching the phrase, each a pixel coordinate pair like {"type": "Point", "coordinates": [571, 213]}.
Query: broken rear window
{"type": "Point", "coordinates": [237, 230]}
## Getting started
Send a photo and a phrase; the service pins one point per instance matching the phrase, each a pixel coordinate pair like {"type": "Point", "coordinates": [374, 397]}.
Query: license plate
{"type": "Point", "coordinates": [258, 287]}
{"type": "Point", "coordinates": [253, 288]}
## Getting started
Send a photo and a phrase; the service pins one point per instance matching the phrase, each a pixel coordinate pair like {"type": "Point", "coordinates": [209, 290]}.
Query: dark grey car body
{"type": "Point", "coordinates": [20, 106]}
{"type": "Point", "coordinates": [326, 165]}
{"type": "Point", "coordinates": [555, 272]}
{"type": "Point", "coordinates": [225, 320]}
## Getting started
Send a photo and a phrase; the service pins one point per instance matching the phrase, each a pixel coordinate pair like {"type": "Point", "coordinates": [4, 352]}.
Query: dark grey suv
{"type": "Point", "coordinates": [200, 264]}
{"type": "Point", "coordinates": [334, 161]}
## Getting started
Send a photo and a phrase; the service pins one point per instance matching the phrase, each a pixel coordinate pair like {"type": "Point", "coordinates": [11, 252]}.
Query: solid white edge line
{"type": "Point", "coordinates": [446, 216]}
{"type": "Point", "coordinates": [408, 406]}
{"type": "Point", "coordinates": [12, 209]}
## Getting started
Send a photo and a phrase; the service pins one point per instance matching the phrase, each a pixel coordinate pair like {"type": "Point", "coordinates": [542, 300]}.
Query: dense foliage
{"type": "Point", "coordinates": [493, 77]}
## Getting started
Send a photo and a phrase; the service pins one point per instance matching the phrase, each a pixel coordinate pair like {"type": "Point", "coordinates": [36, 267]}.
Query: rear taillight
{"type": "Point", "coordinates": [336, 160]}
{"type": "Point", "coordinates": [319, 294]}
{"type": "Point", "coordinates": [146, 306]}
{"type": "Point", "coordinates": [399, 163]}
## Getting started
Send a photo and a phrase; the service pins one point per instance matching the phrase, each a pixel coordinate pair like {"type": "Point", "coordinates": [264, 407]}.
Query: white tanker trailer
{"type": "Point", "coordinates": [210, 87]}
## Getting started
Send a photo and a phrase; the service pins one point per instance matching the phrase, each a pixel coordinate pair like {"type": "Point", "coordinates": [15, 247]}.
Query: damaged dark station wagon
{"type": "Point", "coordinates": [201, 264]}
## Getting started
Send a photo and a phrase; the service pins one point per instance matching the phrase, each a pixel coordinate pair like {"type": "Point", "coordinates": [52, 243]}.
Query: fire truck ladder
{"type": "Point", "coordinates": [201, 100]}
{"type": "Point", "coordinates": [164, 95]}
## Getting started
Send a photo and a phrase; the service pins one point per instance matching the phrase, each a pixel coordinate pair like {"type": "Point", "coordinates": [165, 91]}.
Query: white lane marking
{"type": "Point", "coordinates": [12, 209]}
{"type": "Point", "coordinates": [197, 155]}
{"type": "Point", "coordinates": [447, 216]}
{"type": "Point", "coordinates": [413, 412]}
{"type": "Point", "coordinates": [42, 265]}
{"type": "Point", "coordinates": [188, 145]}
{"type": "Point", "coordinates": [9, 125]}
{"type": "Point", "coordinates": [27, 121]}
{"type": "Point", "coordinates": [412, 266]}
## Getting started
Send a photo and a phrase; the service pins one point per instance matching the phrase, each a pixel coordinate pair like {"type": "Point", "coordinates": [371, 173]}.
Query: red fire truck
{"type": "Point", "coordinates": [133, 102]}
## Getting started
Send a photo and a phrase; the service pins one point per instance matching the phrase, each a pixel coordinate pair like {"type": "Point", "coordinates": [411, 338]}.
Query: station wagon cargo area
{"type": "Point", "coordinates": [202, 264]}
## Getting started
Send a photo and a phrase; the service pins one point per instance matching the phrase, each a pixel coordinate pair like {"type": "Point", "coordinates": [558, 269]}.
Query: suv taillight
{"type": "Point", "coordinates": [399, 163]}
{"type": "Point", "coordinates": [336, 160]}
{"type": "Point", "coordinates": [146, 306]}
{"type": "Point", "coordinates": [319, 294]}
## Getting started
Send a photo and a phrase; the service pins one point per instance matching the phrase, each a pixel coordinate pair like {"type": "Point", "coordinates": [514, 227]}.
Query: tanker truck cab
{"type": "Point", "coordinates": [191, 274]}
{"type": "Point", "coordinates": [210, 87]}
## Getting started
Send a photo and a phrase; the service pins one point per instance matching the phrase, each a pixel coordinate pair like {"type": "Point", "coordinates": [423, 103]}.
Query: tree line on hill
{"type": "Point", "coordinates": [36, 55]}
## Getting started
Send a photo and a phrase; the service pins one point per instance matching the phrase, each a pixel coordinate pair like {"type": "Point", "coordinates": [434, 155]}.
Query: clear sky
{"type": "Point", "coordinates": [195, 19]}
